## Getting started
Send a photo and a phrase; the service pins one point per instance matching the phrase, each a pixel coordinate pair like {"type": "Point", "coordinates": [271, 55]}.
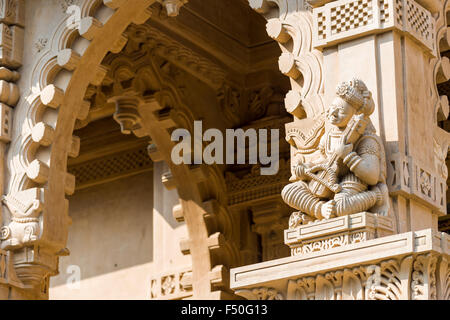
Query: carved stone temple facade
{"type": "Point", "coordinates": [94, 207]}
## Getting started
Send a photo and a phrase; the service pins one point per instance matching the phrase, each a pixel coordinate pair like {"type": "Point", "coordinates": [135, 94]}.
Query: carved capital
{"type": "Point", "coordinates": [384, 272]}
{"type": "Point", "coordinates": [262, 293]}
{"type": "Point", "coordinates": [33, 267]}
{"type": "Point", "coordinates": [12, 12]}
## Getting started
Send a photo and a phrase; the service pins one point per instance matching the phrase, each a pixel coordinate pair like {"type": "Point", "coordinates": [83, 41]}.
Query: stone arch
{"type": "Point", "coordinates": [439, 74]}
{"type": "Point", "coordinates": [38, 154]}
{"type": "Point", "coordinates": [439, 78]}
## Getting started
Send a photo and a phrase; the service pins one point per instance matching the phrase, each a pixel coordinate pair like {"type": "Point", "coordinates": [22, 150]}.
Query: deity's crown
{"type": "Point", "coordinates": [355, 92]}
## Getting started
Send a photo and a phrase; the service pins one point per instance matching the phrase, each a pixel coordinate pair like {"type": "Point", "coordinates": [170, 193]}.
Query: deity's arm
{"type": "Point", "coordinates": [315, 158]}
{"type": "Point", "coordinates": [298, 169]}
{"type": "Point", "coordinates": [364, 162]}
{"type": "Point", "coordinates": [322, 145]}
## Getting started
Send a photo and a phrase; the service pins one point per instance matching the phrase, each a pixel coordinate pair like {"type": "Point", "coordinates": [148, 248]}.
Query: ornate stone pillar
{"type": "Point", "coordinates": [172, 274]}
{"type": "Point", "coordinates": [126, 115]}
{"type": "Point", "coordinates": [13, 280]}
{"type": "Point", "coordinates": [269, 222]}
{"type": "Point", "coordinates": [388, 43]}
{"type": "Point", "coordinates": [364, 146]}
{"type": "Point", "coordinates": [59, 65]}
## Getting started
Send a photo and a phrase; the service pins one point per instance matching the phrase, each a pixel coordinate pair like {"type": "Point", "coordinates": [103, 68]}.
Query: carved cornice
{"type": "Point", "coordinates": [254, 187]}
{"type": "Point", "coordinates": [339, 21]}
{"type": "Point", "coordinates": [258, 107]}
{"type": "Point", "coordinates": [412, 265]}
{"type": "Point", "coordinates": [130, 79]}
{"type": "Point", "coordinates": [262, 293]}
{"type": "Point", "coordinates": [236, 40]}
{"type": "Point", "coordinates": [180, 55]}
{"type": "Point", "coordinates": [111, 167]}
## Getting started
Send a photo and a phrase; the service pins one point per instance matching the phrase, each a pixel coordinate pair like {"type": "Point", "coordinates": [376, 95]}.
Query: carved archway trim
{"type": "Point", "coordinates": [42, 164]}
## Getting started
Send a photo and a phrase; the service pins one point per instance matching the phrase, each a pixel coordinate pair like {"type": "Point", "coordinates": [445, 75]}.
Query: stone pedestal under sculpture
{"type": "Point", "coordinates": [337, 232]}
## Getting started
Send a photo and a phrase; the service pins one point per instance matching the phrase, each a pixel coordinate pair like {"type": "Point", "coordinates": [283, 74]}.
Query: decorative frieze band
{"type": "Point", "coordinates": [342, 20]}
{"type": "Point", "coordinates": [7, 272]}
{"type": "Point", "coordinates": [178, 54]}
{"type": "Point", "coordinates": [381, 281]}
{"type": "Point", "coordinates": [111, 167]}
{"type": "Point", "coordinates": [174, 285]}
{"type": "Point", "coordinates": [254, 186]}
{"type": "Point", "coordinates": [412, 266]}
{"type": "Point", "coordinates": [336, 232]}
{"type": "Point", "coordinates": [409, 178]}
{"type": "Point", "coordinates": [332, 242]}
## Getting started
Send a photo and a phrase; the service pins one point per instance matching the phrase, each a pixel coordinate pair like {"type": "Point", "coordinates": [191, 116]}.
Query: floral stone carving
{"type": "Point", "coordinates": [340, 231]}
{"type": "Point", "coordinates": [25, 208]}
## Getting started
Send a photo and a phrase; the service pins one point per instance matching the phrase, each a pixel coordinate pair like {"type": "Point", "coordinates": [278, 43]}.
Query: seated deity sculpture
{"type": "Point", "coordinates": [345, 172]}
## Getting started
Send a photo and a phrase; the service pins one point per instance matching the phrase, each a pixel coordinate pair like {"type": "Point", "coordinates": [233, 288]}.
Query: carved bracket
{"type": "Point", "coordinates": [24, 228]}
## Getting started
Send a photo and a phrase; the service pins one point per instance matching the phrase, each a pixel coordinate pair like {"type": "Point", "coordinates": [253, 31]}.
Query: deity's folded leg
{"type": "Point", "coordinates": [298, 196]}
{"type": "Point", "coordinates": [346, 204]}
